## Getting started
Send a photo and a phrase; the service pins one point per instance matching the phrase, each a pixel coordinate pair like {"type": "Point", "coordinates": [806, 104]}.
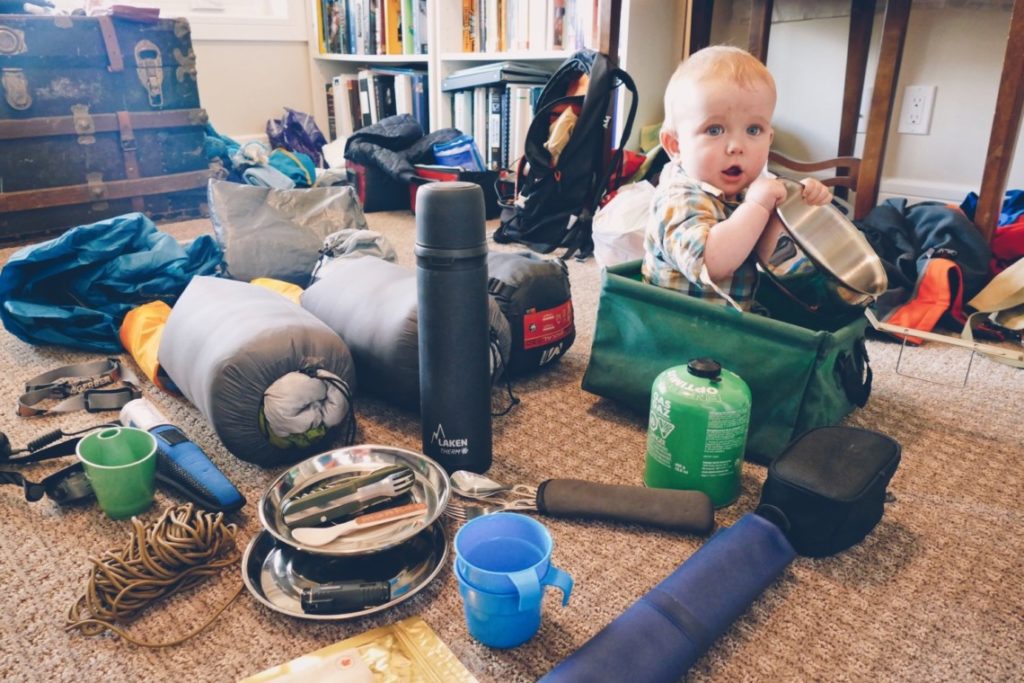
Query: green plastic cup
{"type": "Point", "coordinates": [120, 463]}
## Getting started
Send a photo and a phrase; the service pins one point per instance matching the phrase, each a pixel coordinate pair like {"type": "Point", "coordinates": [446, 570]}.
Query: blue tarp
{"type": "Point", "coordinates": [76, 289]}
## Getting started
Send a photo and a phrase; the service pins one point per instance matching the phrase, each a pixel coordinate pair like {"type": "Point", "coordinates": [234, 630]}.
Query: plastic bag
{"type": "Point", "coordinates": [297, 132]}
{"type": "Point", "coordinates": [619, 226]}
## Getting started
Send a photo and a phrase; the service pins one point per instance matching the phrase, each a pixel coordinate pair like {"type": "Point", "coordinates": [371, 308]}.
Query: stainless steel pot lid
{"type": "Point", "coordinates": [832, 242]}
{"type": "Point", "coordinates": [431, 487]}
{"type": "Point", "coordinates": [277, 574]}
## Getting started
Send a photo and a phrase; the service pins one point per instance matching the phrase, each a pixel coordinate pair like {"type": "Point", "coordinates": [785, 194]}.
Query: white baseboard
{"type": "Point", "coordinates": [244, 138]}
{"type": "Point", "coordinates": [922, 190]}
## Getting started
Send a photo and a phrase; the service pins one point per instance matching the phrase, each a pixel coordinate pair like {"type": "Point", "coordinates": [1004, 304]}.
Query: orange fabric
{"type": "Point", "coordinates": [140, 334]}
{"type": "Point", "coordinates": [577, 88]}
{"type": "Point", "coordinates": [939, 290]}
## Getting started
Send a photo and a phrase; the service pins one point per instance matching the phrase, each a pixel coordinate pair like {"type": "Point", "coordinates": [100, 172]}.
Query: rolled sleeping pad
{"type": "Point", "coordinates": [660, 636]}
{"type": "Point", "coordinates": [371, 303]}
{"type": "Point", "coordinates": [272, 380]}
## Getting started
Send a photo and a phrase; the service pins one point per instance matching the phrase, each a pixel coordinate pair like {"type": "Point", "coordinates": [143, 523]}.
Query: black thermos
{"type": "Point", "coordinates": [454, 337]}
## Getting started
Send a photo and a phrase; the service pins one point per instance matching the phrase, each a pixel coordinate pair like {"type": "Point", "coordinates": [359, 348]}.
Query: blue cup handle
{"type": "Point", "coordinates": [561, 580]}
{"type": "Point", "coordinates": [528, 588]}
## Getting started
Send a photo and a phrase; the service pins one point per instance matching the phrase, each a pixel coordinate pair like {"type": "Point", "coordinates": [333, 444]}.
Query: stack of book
{"type": "Point", "coordinates": [521, 25]}
{"type": "Point", "coordinates": [494, 103]}
{"type": "Point", "coordinates": [372, 27]}
{"type": "Point", "coordinates": [357, 100]}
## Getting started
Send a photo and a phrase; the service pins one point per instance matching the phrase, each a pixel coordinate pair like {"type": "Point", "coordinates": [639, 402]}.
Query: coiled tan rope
{"type": "Point", "coordinates": [174, 553]}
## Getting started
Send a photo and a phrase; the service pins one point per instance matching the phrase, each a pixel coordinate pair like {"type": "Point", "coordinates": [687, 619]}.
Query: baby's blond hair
{"type": "Point", "coordinates": [721, 62]}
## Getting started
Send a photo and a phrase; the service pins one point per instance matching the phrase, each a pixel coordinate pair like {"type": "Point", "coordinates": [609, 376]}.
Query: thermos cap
{"type": "Point", "coordinates": [450, 216]}
{"type": "Point", "coordinates": [704, 367]}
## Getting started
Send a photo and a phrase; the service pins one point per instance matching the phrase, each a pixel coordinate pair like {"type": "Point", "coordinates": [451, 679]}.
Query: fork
{"type": "Point", "coordinates": [462, 511]}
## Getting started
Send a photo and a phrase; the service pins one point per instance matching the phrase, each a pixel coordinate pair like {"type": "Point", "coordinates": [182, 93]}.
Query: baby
{"type": "Point", "coordinates": [710, 212]}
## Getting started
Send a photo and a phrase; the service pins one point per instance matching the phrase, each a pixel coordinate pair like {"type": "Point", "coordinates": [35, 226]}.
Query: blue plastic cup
{"type": "Point", "coordinates": [503, 563]}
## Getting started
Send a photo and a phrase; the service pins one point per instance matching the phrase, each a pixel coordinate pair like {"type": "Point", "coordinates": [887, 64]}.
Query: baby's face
{"type": "Point", "coordinates": [724, 132]}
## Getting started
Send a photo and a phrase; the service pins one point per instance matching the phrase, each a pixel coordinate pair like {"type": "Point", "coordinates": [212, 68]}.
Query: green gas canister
{"type": "Point", "coordinates": [698, 430]}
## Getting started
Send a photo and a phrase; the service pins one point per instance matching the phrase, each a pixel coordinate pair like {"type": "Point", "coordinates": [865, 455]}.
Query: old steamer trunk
{"type": "Point", "coordinates": [99, 116]}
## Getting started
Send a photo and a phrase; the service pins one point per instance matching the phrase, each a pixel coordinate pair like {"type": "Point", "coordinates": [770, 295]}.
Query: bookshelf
{"type": "Point", "coordinates": [444, 55]}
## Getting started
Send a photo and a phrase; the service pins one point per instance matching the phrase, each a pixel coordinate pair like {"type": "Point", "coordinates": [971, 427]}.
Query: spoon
{"type": "Point", "coordinates": [479, 487]}
{"type": "Point", "coordinates": [317, 536]}
{"type": "Point", "coordinates": [473, 485]}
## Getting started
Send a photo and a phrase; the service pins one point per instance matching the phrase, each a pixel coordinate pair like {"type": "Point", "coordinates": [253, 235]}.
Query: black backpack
{"type": "Point", "coordinates": [554, 204]}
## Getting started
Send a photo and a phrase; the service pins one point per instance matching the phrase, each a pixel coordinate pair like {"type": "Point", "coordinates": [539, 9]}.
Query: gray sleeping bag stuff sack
{"type": "Point", "coordinates": [266, 232]}
{"type": "Point", "coordinates": [273, 380]}
{"type": "Point", "coordinates": [534, 295]}
{"type": "Point", "coordinates": [371, 304]}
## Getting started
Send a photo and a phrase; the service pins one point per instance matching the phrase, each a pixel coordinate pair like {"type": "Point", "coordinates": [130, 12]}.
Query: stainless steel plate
{"type": "Point", "coordinates": [276, 573]}
{"type": "Point", "coordinates": [431, 487]}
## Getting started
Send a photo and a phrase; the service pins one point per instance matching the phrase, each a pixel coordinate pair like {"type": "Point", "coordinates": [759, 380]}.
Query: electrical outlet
{"type": "Point", "coordinates": [865, 108]}
{"type": "Point", "coordinates": [916, 112]}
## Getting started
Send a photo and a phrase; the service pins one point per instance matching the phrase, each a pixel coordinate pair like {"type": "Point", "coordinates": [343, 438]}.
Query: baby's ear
{"type": "Point", "coordinates": [670, 143]}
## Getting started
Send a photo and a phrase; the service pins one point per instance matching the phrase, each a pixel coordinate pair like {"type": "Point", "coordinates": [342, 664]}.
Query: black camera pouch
{"type": "Point", "coordinates": [828, 487]}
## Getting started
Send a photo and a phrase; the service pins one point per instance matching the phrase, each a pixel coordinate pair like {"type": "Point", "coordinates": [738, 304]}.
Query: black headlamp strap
{"type": "Point", "coordinates": [65, 486]}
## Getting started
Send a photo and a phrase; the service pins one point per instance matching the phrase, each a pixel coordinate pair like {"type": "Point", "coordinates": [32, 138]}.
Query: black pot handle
{"type": "Point", "coordinates": [855, 373]}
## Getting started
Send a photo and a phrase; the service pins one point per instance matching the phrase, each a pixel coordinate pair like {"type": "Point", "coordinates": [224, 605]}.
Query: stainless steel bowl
{"type": "Point", "coordinates": [821, 259]}
{"type": "Point", "coordinates": [431, 487]}
{"type": "Point", "coordinates": [276, 573]}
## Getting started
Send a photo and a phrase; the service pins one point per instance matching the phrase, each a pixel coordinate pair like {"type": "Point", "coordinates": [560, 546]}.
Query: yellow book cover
{"type": "Point", "coordinates": [408, 651]}
{"type": "Point", "coordinates": [468, 26]}
{"type": "Point", "coordinates": [393, 26]}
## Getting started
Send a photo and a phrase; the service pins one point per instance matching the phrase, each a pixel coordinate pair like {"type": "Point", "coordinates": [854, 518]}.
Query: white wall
{"type": "Point", "coordinates": [651, 45]}
{"type": "Point", "coordinates": [958, 50]}
{"type": "Point", "coordinates": [249, 69]}
{"type": "Point", "coordinates": [242, 84]}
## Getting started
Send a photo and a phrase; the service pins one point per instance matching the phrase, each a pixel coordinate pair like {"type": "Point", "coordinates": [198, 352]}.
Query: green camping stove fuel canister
{"type": "Point", "coordinates": [698, 430]}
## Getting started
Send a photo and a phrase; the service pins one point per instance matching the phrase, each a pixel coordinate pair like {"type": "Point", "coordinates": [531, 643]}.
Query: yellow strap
{"type": "Point", "coordinates": [301, 166]}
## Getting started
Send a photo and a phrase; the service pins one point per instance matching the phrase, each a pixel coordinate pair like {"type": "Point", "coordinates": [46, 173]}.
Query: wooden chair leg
{"type": "Point", "coordinates": [701, 12]}
{"type": "Point", "coordinates": [760, 28]}
{"type": "Point", "coordinates": [1005, 127]}
{"type": "Point", "coordinates": [894, 32]}
{"type": "Point", "coordinates": [862, 16]}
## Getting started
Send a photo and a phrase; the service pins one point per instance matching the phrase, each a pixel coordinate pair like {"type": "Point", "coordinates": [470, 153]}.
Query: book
{"type": "Point", "coordinates": [384, 89]}
{"type": "Point", "coordinates": [343, 114]}
{"type": "Point", "coordinates": [494, 125]}
{"type": "Point", "coordinates": [367, 97]}
{"type": "Point", "coordinates": [491, 74]}
{"type": "Point", "coordinates": [332, 129]}
{"type": "Point", "coordinates": [521, 114]}
{"type": "Point", "coordinates": [468, 26]}
{"type": "Point", "coordinates": [419, 27]}
{"type": "Point", "coordinates": [481, 115]}
{"type": "Point", "coordinates": [421, 100]}
{"type": "Point", "coordinates": [352, 88]}
{"type": "Point", "coordinates": [408, 11]}
{"type": "Point", "coordinates": [393, 27]}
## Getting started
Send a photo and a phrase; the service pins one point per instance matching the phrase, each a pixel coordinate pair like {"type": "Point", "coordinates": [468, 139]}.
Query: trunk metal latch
{"type": "Point", "coordinates": [150, 67]}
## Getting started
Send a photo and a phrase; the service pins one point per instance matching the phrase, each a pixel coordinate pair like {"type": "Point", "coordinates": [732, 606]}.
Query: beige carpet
{"type": "Point", "coordinates": [936, 593]}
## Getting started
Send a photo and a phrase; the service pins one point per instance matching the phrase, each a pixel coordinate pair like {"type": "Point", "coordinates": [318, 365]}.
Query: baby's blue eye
{"type": "Point", "coordinates": [715, 130]}
{"type": "Point", "coordinates": [754, 130]}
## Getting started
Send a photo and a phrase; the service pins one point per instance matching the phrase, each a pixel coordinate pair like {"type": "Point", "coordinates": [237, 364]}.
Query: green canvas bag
{"type": "Point", "coordinates": [799, 377]}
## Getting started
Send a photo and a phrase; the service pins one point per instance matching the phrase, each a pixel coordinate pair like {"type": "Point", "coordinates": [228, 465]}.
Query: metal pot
{"type": "Point", "coordinates": [820, 258]}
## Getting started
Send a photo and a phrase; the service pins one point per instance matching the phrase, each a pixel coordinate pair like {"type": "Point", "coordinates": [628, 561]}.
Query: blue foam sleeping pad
{"type": "Point", "coordinates": [663, 633]}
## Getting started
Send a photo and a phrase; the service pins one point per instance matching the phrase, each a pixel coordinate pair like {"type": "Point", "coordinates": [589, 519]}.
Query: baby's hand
{"type": "Point", "coordinates": [814, 192]}
{"type": "Point", "coordinates": [767, 192]}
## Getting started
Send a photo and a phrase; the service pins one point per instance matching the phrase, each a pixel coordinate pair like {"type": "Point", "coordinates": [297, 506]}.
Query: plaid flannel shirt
{"type": "Point", "coordinates": [683, 212]}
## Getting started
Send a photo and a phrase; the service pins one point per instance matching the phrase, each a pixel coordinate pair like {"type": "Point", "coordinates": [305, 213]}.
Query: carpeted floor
{"type": "Point", "coordinates": [936, 593]}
